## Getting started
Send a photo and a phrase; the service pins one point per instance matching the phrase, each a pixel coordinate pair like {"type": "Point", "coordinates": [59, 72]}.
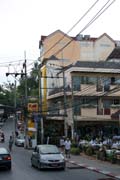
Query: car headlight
{"type": "Point", "coordinates": [43, 159]}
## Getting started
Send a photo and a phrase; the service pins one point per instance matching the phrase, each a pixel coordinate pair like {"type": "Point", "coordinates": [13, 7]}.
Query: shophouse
{"type": "Point", "coordinates": [80, 84]}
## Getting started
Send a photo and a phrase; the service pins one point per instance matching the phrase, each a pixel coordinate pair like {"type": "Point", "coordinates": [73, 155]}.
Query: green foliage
{"type": "Point", "coordinates": [89, 151]}
{"type": "Point", "coordinates": [75, 151]}
{"type": "Point", "coordinates": [74, 144]}
{"type": "Point", "coordinates": [112, 157]}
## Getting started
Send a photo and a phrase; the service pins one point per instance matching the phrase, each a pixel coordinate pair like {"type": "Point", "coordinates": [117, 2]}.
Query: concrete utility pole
{"type": "Point", "coordinates": [26, 102]}
{"type": "Point", "coordinates": [65, 112]}
{"type": "Point", "coordinates": [73, 118]}
{"type": "Point", "coordinates": [40, 123]}
{"type": "Point", "coordinates": [16, 74]}
{"type": "Point", "coordinates": [15, 104]}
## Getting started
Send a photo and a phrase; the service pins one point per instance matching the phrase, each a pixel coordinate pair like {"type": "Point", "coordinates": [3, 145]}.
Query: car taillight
{"type": "Point", "coordinates": [7, 158]}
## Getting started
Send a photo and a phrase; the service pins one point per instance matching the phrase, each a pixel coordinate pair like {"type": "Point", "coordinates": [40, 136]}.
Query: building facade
{"type": "Point", "coordinates": [82, 91]}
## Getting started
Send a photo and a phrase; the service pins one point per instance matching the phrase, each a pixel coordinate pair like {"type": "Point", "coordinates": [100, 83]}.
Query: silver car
{"type": "Point", "coordinates": [47, 156]}
{"type": "Point", "coordinates": [20, 140]}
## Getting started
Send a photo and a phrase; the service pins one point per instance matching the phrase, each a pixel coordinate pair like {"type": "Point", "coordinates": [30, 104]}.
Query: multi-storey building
{"type": "Point", "coordinates": [82, 92]}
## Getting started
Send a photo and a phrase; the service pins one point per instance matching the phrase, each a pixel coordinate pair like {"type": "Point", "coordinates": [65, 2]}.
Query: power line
{"type": "Point", "coordinates": [86, 26]}
{"type": "Point", "coordinates": [87, 88]}
{"type": "Point", "coordinates": [100, 12]}
{"type": "Point", "coordinates": [71, 28]}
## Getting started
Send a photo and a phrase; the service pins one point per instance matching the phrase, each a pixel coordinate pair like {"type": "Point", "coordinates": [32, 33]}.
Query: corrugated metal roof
{"type": "Point", "coordinates": [99, 64]}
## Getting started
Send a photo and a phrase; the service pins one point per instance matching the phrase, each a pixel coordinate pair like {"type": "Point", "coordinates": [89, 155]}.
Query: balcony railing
{"type": "Point", "coordinates": [58, 90]}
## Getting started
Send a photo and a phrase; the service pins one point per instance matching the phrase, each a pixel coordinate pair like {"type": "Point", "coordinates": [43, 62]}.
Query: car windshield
{"type": "Point", "coordinates": [21, 136]}
{"type": "Point", "coordinates": [3, 151]}
{"type": "Point", "coordinates": [49, 150]}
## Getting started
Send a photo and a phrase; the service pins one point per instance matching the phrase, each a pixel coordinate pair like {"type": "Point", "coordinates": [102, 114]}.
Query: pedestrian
{"type": "Point", "coordinates": [13, 136]}
{"type": "Point", "coordinates": [48, 139]}
{"type": "Point", "coordinates": [67, 147]}
{"type": "Point", "coordinates": [62, 143]}
{"type": "Point", "coordinates": [10, 143]}
{"type": "Point", "coordinates": [2, 137]}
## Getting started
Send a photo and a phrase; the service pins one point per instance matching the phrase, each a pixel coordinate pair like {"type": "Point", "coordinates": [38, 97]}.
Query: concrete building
{"type": "Point", "coordinates": [82, 93]}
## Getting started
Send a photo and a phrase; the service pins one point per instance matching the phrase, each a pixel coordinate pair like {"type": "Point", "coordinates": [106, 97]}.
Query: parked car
{"type": "Point", "coordinates": [47, 156]}
{"type": "Point", "coordinates": [2, 137]}
{"type": "Point", "coordinates": [20, 140]}
{"type": "Point", "coordinates": [5, 158]}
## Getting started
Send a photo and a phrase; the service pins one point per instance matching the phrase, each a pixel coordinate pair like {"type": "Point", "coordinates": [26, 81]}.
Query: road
{"type": "Point", "coordinates": [22, 170]}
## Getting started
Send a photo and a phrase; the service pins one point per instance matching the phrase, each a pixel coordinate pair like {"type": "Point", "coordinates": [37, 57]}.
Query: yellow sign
{"type": "Point", "coordinates": [33, 107]}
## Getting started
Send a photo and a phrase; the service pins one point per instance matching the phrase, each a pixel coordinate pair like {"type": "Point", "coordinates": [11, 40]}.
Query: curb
{"type": "Point", "coordinates": [107, 173]}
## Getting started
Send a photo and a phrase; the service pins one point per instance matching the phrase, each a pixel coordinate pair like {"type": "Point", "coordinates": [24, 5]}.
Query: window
{"type": "Point", "coordinates": [107, 103]}
{"type": "Point", "coordinates": [77, 107]}
{"type": "Point", "coordinates": [106, 82]}
{"type": "Point", "coordinates": [112, 80]}
{"type": "Point", "coordinates": [88, 80]}
{"type": "Point", "coordinates": [116, 101]}
{"type": "Point", "coordinates": [117, 81]}
{"type": "Point", "coordinates": [76, 83]}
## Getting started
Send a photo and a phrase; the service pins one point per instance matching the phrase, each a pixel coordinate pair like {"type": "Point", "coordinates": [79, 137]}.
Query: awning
{"type": "Point", "coordinates": [32, 129]}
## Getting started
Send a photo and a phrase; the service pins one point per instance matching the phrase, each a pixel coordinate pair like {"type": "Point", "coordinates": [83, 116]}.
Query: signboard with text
{"type": "Point", "coordinates": [32, 107]}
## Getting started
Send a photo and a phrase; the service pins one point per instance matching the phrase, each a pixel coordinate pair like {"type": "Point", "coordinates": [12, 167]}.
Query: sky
{"type": "Point", "coordinates": [22, 22]}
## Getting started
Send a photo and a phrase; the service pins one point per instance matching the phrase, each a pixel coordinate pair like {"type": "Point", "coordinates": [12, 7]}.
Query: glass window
{"type": "Point", "coordinates": [112, 80]}
{"type": "Point", "coordinates": [76, 83]}
{"type": "Point", "coordinates": [107, 103]}
{"type": "Point", "coordinates": [106, 82]}
{"type": "Point", "coordinates": [117, 80]}
{"type": "Point", "coordinates": [116, 101]}
{"type": "Point", "coordinates": [88, 80]}
{"type": "Point", "coordinates": [89, 101]}
{"type": "Point", "coordinates": [77, 106]}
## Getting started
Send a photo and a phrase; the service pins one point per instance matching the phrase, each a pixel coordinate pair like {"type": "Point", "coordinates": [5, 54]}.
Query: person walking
{"type": "Point", "coordinates": [10, 143]}
{"type": "Point", "coordinates": [67, 148]}
{"type": "Point", "coordinates": [62, 143]}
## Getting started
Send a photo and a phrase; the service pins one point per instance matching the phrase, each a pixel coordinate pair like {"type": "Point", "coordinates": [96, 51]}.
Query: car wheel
{"type": "Point", "coordinates": [39, 165]}
{"type": "Point", "coordinates": [32, 163]}
{"type": "Point", "coordinates": [63, 168]}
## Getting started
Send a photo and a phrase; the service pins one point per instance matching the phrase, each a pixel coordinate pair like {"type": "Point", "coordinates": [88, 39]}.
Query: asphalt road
{"type": "Point", "coordinates": [22, 170]}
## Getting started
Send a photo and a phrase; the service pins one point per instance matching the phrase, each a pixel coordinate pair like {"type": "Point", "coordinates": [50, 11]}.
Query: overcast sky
{"type": "Point", "coordinates": [22, 22]}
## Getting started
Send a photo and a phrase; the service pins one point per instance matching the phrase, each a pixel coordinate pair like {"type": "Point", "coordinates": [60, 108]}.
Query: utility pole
{"type": "Point", "coordinates": [65, 112]}
{"type": "Point", "coordinates": [73, 118]}
{"type": "Point", "coordinates": [64, 99]}
{"type": "Point", "coordinates": [16, 74]}
{"type": "Point", "coordinates": [25, 105]}
{"type": "Point", "coordinates": [40, 122]}
{"type": "Point", "coordinates": [15, 104]}
{"type": "Point", "coordinates": [26, 98]}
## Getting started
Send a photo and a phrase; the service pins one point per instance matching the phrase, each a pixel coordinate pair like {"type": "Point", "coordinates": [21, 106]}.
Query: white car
{"type": "Point", "coordinates": [20, 140]}
{"type": "Point", "coordinates": [47, 156]}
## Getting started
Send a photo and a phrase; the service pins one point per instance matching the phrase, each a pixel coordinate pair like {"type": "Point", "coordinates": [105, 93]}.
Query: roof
{"type": "Point", "coordinates": [99, 64]}
{"type": "Point", "coordinates": [52, 34]}
{"type": "Point", "coordinates": [115, 54]}
{"type": "Point", "coordinates": [94, 67]}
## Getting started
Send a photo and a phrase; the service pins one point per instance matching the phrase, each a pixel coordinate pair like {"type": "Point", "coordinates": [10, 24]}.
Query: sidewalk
{"type": "Point", "coordinates": [91, 163]}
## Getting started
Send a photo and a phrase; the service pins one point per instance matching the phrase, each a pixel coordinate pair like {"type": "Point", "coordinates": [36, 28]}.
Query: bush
{"type": "Point", "coordinates": [101, 154]}
{"type": "Point", "coordinates": [112, 157]}
{"type": "Point", "coordinates": [74, 144]}
{"type": "Point", "coordinates": [89, 151]}
{"type": "Point", "coordinates": [75, 151]}
{"type": "Point", "coordinates": [85, 148]}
